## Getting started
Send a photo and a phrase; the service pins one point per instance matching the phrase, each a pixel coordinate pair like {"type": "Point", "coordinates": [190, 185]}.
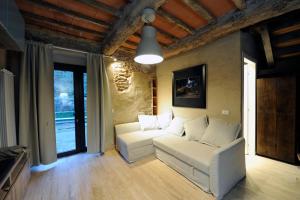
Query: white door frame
{"type": "Point", "coordinates": [249, 104]}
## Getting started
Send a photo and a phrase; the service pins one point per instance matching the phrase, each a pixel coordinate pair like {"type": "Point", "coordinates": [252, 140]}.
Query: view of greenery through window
{"type": "Point", "coordinates": [65, 110]}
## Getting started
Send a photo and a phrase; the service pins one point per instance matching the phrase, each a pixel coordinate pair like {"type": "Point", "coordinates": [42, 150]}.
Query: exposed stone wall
{"type": "Point", "coordinates": [122, 76]}
{"type": "Point", "coordinates": [130, 89]}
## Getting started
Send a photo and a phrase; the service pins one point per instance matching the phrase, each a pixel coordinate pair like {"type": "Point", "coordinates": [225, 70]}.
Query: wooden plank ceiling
{"type": "Point", "coordinates": [285, 36]}
{"type": "Point", "coordinates": [280, 38]}
{"type": "Point", "coordinates": [114, 25]}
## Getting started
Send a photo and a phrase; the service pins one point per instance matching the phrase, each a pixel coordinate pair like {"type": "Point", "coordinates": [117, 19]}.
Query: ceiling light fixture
{"type": "Point", "coordinates": [148, 51]}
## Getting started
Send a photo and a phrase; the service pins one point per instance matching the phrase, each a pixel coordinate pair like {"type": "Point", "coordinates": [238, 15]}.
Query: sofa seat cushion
{"type": "Point", "coordinates": [138, 138]}
{"type": "Point", "coordinates": [193, 153]}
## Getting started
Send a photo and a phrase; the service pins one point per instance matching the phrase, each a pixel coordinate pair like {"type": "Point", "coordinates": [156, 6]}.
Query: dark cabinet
{"type": "Point", "coordinates": [277, 135]}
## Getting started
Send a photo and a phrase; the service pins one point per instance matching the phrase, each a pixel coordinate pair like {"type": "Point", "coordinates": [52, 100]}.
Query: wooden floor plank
{"type": "Point", "coordinates": [109, 177]}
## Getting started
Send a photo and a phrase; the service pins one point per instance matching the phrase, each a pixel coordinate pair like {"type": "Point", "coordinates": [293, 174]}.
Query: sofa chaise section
{"type": "Point", "coordinates": [215, 170]}
{"type": "Point", "coordinates": [133, 143]}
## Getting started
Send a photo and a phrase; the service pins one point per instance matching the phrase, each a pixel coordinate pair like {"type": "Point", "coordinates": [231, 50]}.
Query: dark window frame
{"type": "Point", "coordinates": [78, 71]}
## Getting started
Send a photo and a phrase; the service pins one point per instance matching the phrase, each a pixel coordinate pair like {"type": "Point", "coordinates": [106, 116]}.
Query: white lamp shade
{"type": "Point", "coordinates": [148, 51]}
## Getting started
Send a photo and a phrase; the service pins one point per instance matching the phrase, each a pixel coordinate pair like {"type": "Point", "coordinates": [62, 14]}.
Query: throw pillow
{"type": "Point", "coordinates": [194, 129]}
{"type": "Point", "coordinates": [219, 132]}
{"type": "Point", "coordinates": [164, 120]}
{"type": "Point", "coordinates": [148, 122]}
{"type": "Point", "coordinates": [176, 126]}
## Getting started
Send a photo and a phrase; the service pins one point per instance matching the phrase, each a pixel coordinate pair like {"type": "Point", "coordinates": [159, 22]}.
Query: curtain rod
{"type": "Point", "coordinates": [78, 51]}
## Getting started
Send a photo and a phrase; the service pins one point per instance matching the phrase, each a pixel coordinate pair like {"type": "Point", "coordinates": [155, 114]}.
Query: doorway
{"type": "Point", "coordinates": [249, 108]}
{"type": "Point", "coordinates": [70, 95]}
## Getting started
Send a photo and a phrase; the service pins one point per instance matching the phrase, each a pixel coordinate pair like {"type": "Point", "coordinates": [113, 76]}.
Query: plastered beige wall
{"type": "Point", "coordinates": [223, 59]}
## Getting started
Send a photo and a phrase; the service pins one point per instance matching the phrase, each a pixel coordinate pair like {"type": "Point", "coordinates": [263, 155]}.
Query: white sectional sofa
{"type": "Point", "coordinates": [215, 169]}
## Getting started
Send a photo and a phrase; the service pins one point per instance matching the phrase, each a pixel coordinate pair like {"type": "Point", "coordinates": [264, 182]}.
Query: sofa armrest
{"type": "Point", "coordinates": [126, 128]}
{"type": "Point", "coordinates": [227, 167]}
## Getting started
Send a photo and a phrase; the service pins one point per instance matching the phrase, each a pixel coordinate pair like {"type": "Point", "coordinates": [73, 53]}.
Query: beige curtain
{"type": "Point", "coordinates": [36, 120]}
{"type": "Point", "coordinates": [99, 115]}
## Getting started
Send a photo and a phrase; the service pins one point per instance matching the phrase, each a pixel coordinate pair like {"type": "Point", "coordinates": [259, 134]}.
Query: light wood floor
{"type": "Point", "coordinates": [89, 177]}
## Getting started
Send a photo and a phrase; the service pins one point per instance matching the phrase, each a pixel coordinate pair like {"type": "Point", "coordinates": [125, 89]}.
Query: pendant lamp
{"type": "Point", "coordinates": [148, 51]}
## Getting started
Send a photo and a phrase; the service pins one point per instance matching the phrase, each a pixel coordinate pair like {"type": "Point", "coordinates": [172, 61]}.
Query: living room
{"type": "Point", "coordinates": [177, 99]}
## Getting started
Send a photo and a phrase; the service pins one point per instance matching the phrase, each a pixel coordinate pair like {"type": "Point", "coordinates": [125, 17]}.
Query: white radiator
{"type": "Point", "coordinates": [7, 109]}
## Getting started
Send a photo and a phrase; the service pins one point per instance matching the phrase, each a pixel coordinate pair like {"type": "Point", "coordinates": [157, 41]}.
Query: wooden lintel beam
{"type": "Point", "coordinates": [69, 12]}
{"type": "Point", "coordinates": [176, 21]}
{"type": "Point", "coordinates": [256, 11]}
{"type": "Point", "coordinates": [128, 24]}
{"type": "Point", "coordinates": [196, 6]}
{"type": "Point", "coordinates": [240, 4]}
{"type": "Point", "coordinates": [62, 40]}
{"type": "Point", "coordinates": [265, 37]}
{"type": "Point", "coordinates": [102, 7]}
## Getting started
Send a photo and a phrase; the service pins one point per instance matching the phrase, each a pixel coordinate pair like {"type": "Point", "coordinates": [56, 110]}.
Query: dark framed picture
{"type": "Point", "coordinates": [189, 87]}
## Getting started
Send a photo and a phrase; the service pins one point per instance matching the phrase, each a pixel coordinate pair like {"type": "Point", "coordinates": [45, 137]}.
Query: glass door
{"type": "Point", "coordinates": [70, 108]}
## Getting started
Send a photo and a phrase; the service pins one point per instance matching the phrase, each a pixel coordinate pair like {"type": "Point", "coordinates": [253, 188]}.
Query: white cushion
{"type": "Point", "coordinates": [194, 153]}
{"type": "Point", "coordinates": [164, 120]}
{"type": "Point", "coordinates": [138, 138]}
{"type": "Point", "coordinates": [176, 126]}
{"type": "Point", "coordinates": [148, 122]}
{"type": "Point", "coordinates": [135, 145]}
{"type": "Point", "coordinates": [220, 132]}
{"type": "Point", "coordinates": [194, 129]}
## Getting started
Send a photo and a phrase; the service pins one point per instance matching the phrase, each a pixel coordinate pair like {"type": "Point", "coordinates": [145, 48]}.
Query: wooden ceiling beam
{"type": "Point", "coordinates": [61, 23]}
{"type": "Point", "coordinates": [166, 34]}
{"type": "Point", "coordinates": [256, 11]}
{"type": "Point", "coordinates": [264, 33]}
{"type": "Point", "coordinates": [67, 12]}
{"type": "Point", "coordinates": [240, 4]}
{"type": "Point", "coordinates": [30, 22]}
{"type": "Point", "coordinates": [288, 43]}
{"type": "Point", "coordinates": [198, 8]}
{"type": "Point", "coordinates": [289, 55]}
{"type": "Point", "coordinates": [61, 40]}
{"type": "Point", "coordinates": [129, 46]}
{"type": "Point", "coordinates": [131, 43]}
{"type": "Point", "coordinates": [127, 50]}
{"type": "Point", "coordinates": [163, 37]}
{"type": "Point", "coordinates": [34, 9]}
{"type": "Point", "coordinates": [102, 7]}
{"type": "Point", "coordinates": [128, 24]}
{"type": "Point", "coordinates": [176, 21]}
{"type": "Point", "coordinates": [286, 50]}
{"type": "Point", "coordinates": [286, 30]}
